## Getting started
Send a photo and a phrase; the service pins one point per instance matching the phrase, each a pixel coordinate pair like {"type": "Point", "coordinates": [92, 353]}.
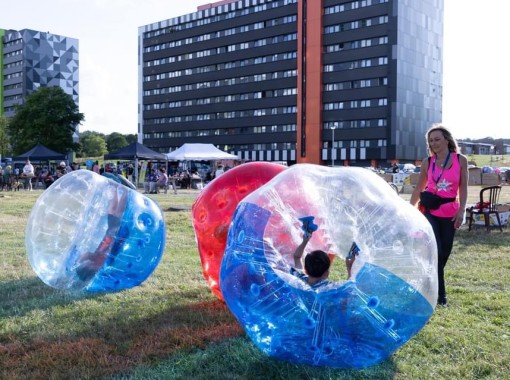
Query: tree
{"type": "Point", "coordinates": [116, 141]}
{"type": "Point", "coordinates": [5, 147]}
{"type": "Point", "coordinates": [49, 116]}
{"type": "Point", "coordinates": [131, 138]}
{"type": "Point", "coordinates": [93, 144]}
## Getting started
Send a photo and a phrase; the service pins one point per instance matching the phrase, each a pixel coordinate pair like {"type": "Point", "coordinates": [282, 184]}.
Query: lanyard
{"type": "Point", "coordinates": [442, 168]}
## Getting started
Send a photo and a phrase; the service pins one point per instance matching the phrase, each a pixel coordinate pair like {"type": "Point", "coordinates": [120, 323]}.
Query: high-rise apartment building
{"type": "Point", "coordinates": [319, 81]}
{"type": "Point", "coordinates": [30, 59]}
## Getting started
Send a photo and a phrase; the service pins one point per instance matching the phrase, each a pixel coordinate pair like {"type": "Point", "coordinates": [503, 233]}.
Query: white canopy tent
{"type": "Point", "coordinates": [199, 152]}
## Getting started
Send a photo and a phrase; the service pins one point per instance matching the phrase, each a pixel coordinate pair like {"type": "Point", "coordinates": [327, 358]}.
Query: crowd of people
{"type": "Point", "coordinates": [154, 176]}
{"type": "Point", "coordinates": [157, 179]}
{"type": "Point", "coordinates": [13, 177]}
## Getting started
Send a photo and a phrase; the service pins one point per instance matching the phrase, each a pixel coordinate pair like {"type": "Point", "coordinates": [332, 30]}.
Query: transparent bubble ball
{"type": "Point", "coordinates": [89, 233]}
{"type": "Point", "coordinates": [351, 323]}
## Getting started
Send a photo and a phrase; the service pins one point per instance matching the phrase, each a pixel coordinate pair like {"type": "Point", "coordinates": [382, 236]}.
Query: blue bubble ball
{"type": "Point", "coordinates": [89, 233]}
{"type": "Point", "coordinates": [345, 323]}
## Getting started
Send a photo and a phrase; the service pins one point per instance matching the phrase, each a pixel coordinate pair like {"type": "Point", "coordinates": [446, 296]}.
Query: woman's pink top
{"type": "Point", "coordinates": [446, 187]}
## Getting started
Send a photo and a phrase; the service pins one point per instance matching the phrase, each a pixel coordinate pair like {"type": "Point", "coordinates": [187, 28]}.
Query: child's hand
{"type": "Point", "coordinates": [354, 250]}
{"type": "Point", "coordinates": [308, 225]}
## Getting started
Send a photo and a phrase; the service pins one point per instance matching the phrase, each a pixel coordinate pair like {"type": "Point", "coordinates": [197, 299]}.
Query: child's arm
{"type": "Point", "coordinates": [308, 227]}
{"type": "Point", "coordinates": [351, 257]}
{"type": "Point", "coordinates": [298, 254]}
{"type": "Point", "coordinates": [348, 264]}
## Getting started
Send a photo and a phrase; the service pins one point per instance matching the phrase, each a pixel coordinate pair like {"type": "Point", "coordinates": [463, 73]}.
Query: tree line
{"type": "Point", "coordinates": [50, 117]}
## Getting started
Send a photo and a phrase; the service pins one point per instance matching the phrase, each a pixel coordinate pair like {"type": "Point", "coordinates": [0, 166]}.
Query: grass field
{"type": "Point", "coordinates": [172, 327]}
{"type": "Point", "coordinates": [490, 160]}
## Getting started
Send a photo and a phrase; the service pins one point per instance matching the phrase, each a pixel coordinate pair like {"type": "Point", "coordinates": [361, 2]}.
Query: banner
{"type": "Point", "coordinates": [143, 169]}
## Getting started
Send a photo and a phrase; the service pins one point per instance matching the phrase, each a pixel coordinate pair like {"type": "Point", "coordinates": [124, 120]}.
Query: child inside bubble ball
{"type": "Point", "coordinates": [317, 263]}
{"type": "Point", "coordinates": [90, 262]}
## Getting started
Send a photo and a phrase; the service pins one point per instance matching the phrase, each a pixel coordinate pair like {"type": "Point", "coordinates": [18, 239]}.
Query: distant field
{"type": "Point", "coordinates": [490, 160]}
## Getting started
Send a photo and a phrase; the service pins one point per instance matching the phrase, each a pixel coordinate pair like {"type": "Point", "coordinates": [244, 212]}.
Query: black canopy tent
{"type": "Point", "coordinates": [40, 153]}
{"type": "Point", "coordinates": [136, 151]}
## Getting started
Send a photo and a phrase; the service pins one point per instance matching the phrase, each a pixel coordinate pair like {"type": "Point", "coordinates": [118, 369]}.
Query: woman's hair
{"type": "Point", "coordinates": [452, 144]}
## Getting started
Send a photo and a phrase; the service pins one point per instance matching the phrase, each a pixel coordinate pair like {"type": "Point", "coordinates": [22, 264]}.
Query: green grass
{"type": "Point", "coordinates": [490, 160]}
{"type": "Point", "coordinates": [172, 327]}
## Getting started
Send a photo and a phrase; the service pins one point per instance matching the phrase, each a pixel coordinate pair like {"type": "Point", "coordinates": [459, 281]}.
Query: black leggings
{"type": "Point", "coordinates": [444, 231]}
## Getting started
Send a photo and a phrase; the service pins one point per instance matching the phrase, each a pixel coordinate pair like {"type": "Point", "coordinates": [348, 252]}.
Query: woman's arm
{"type": "Point", "coordinates": [463, 191]}
{"type": "Point", "coordinates": [422, 182]}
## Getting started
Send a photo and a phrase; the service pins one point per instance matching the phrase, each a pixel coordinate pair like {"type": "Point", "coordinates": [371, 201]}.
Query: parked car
{"type": "Point", "coordinates": [402, 168]}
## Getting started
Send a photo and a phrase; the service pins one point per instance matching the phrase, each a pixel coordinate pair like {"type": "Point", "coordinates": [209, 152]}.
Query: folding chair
{"type": "Point", "coordinates": [489, 197]}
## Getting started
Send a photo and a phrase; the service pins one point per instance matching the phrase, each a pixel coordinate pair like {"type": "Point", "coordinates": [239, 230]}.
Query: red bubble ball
{"type": "Point", "coordinates": [213, 210]}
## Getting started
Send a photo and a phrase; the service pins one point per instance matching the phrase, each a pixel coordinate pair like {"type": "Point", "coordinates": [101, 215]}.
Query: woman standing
{"type": "Point", "coordinates": [445, 174]}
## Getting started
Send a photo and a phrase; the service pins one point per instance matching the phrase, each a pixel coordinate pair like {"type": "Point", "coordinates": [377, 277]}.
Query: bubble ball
{"type": "Point", "coordinates": [212, 212]}
{"type": "Point", "coordinates": [120, 179]}
{"type": "Point", "coordinates": [354, 323]}
{"type": "Point", "coordinates": [89, 233]}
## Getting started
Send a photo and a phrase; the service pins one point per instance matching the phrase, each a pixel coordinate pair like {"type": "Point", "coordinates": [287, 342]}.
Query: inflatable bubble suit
{"type": "Point", "coordinates": [87, 232]}
{"type": "Point", "coordinates": [346, 324]}
{"type": "Point", "coordinates": [213, 210]}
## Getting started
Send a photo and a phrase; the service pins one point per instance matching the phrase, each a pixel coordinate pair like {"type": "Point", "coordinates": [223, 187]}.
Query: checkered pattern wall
{"type": "Point", "coordinates": [50, 60]}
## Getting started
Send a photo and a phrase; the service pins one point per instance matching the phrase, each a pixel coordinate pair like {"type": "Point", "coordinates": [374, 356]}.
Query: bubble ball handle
{"type": "Point", "coordinates": [308, 226]}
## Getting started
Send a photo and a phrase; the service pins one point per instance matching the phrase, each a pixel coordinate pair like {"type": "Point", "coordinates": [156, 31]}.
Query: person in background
{"type": "Point", "coordinates": [195, 179]}
{"type": "Point", "coordinates": [162, 181]}
{"type": "Point", "coordinates": [130, 172]}
{"type": "Point", "coordinates": [28, 174]}
{"type": "Point", "coordinates": [47, 178]}
{"type": "Point", "coordinates": [61, 170]}
{"type": "Point", "coordinates": [445, 174]}
{"type": "Point", "coordinates": [185, 179]}
{"type": "Point", "coordinates": [153, 177]}
{"type": "Point", "coordinates": [95, 167]}
{"type": "Point", "coordinates": [219, 171]}
{"type": "Point", "coordinates": [7, 177]}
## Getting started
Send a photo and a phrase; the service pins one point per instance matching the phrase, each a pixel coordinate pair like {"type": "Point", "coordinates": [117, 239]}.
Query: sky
{"type": "Point", "coordinates": [474, 68]}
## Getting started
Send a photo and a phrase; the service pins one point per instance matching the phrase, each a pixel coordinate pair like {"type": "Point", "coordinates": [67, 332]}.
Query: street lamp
{"type": "Point", "coordinates": [333, 127]}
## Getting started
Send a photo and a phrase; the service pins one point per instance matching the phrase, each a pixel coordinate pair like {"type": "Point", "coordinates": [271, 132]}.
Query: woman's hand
{"type": "Point", "coordinates": [458, 218]}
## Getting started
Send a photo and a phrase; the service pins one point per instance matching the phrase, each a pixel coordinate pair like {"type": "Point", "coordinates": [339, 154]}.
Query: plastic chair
{"type": "Point", "coordinates": [489, 197]}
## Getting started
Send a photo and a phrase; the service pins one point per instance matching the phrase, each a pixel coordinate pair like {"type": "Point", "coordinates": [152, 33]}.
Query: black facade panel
{"type": "Point", "coordinates": [356, 74]}
{"type": "Point", "coordinates": [357, 14]}
{"type": "Point", "coordinates": [354, 54]}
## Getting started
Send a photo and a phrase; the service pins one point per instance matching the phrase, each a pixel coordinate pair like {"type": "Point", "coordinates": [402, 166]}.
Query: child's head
{"type": "Point", "coordinates": [317, 263]}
